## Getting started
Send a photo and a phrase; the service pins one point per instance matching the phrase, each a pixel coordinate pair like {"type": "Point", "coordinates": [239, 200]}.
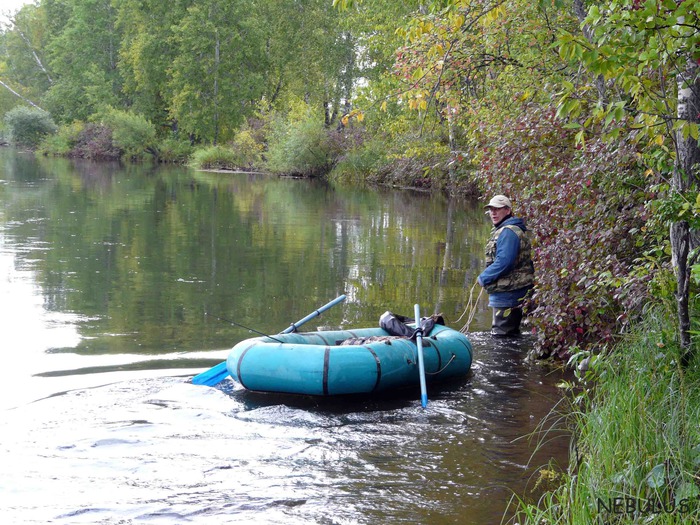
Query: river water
{"type": "Point", "coordinates": [119, 283]}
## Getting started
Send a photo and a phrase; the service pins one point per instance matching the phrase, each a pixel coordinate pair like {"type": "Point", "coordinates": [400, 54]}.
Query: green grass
{"type": "Point", "coordinates": [636, 455]}
{"type": "Point", "coordinates": [174, 151]}
{"type": "Point", "coordinates": [239, 155]}
{"type": "Point", "coordinates": [215, 157]}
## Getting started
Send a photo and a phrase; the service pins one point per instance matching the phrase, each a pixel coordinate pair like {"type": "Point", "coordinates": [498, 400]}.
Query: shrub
{"type": "Point", "coordinates": [586, 208]}
{"type": "Point", "coordinates": [28, 126]}
{"type": "Point", "coordinates": [244, 152]}
{"type": "Point", "coordinates": [360, 164]}
{"type": "Point", "coordinates": [61, 144]}
{"type": "Point", "coordinates": [131, 133]}
{"type": "Point", "coordinates": [95, 142]}
{"type": "Point", "coordinates": [247, 149]}
{"type": "Point", "coordinates": [299, 148]}
{"type": "Point", "coordinates": [176, 151]}
{"type": "Point", "coordinates": [214, 158]}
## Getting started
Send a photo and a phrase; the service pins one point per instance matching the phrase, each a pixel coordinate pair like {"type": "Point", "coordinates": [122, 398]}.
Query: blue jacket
{"type": "Point", "coordinates": [507, 248]}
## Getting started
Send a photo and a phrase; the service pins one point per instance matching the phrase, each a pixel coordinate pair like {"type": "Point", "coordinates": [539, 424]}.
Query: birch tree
{"type": "Point", "coordinates": [647, 53]}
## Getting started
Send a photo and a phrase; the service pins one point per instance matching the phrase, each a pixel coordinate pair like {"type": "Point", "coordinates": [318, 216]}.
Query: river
{"type": "Point", "coordinates": [119, 283]}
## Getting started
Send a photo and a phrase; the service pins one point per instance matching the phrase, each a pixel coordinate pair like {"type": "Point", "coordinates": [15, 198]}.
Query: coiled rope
{"type": "Point", "coordinates": [470, 309]}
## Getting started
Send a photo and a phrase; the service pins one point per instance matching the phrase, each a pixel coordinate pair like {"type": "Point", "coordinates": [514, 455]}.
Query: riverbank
{"type": "Point", "coordinates": [635, 457]}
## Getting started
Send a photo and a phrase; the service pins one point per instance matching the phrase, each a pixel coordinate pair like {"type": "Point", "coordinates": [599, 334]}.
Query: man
{"type": "Point", "coordinates": [509, 273]}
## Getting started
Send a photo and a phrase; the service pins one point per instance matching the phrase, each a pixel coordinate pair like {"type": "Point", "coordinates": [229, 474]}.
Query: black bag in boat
{"type": "Point", "coordinates": [395, 324]}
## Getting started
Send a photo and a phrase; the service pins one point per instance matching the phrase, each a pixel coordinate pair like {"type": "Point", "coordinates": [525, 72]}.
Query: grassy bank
{"type": "Point", "coordinates": [636, 455]}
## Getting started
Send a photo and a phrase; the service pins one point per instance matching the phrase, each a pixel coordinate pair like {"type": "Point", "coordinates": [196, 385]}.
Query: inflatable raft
{"type": "Point", "coordinates": [361, 361]}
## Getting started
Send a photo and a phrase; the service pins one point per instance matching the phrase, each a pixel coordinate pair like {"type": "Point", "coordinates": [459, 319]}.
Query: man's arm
{"type": "Point", "coordinates": [507, 247]}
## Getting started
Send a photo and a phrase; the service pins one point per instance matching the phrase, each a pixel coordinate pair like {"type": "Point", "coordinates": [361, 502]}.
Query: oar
{"type": "Point", "coordinates": [421, 365]}
{"type": "Point", "coordinates": [218, 373]}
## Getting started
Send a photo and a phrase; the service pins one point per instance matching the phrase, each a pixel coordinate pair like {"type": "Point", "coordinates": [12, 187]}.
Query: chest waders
{"type": "Point", "coordinates": [506, 320]}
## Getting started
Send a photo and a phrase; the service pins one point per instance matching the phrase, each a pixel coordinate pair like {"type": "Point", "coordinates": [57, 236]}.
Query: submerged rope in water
{"type": "Point", "coordinates": [470, 309]}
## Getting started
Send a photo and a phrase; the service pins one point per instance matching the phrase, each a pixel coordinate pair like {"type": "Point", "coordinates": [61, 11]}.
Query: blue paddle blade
{"type": "Point", "coordinates": [212, 376]}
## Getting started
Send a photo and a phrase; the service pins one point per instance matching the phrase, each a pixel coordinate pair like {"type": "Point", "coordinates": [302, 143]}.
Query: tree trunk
{"type": "Point", "coordinates": [680, 247]}
{"type": "Point", "coordinates": [685, 178]}
{"type": "Point", "coordinates": [18, 95]}
{"type": "Point", "coordinates": [32, 50]}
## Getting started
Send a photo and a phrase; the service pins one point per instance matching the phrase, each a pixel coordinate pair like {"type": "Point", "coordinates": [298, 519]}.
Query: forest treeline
{"type": "Point", "coordinates": [585, 113]}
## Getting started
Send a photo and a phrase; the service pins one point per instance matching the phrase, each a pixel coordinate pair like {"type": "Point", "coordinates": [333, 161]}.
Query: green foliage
{"type": "Point", "coordinates": [28, 126]}
{"type": "Point", "coordinates": [25, 61]}
{"type": "Point", "coordinates": [174, 150]}
{"type": "Point", "coordinates": [131, 133]}
{"type": "Point", "coordinates": [463, 56]}
{"type": "Point", "coordinates": [361, 163]}
{"type": "Point", "coordinates": [345, 4]}
{"type": "Point", "coordinates": [215, 158]}
{"type": "Point", "coordinates": [247, 149]}
{"type": "Point", "coordinates": [637, 436]}
{"type": "Point", "coordinates": [211, 78]}
{"type": "Point", "coordinates": [674, 206]}
{"type": "Point", "coordinates": [200, 67]}
{"type": "Point", "coordinates": [146, 52]}
{"type": "Point", "coordinates": [244, 152]}
{"type": "Point", "coordinates": [83, 58]}
{"type": "Point", "coordinates": [640, 49]}
{"type": "Point", "coordinates": [310, 53]}
{"type": "Point", "coordinates": [62, 143]}
{"type": "Point", "coordinates": [118, 134]}
{"type": "Point", "coordinates": [299, 147]}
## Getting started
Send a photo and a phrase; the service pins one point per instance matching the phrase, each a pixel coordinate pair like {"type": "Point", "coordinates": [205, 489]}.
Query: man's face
{"type": "Point", "coordinates": [498, 214]}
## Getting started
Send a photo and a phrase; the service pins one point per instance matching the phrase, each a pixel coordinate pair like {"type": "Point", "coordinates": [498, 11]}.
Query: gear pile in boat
{"type": "Point", "coordinates": [397, 326]}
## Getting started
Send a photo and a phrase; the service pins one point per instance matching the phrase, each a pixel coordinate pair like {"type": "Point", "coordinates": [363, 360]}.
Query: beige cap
{"type": "Point", "coordinates": [499, 201]}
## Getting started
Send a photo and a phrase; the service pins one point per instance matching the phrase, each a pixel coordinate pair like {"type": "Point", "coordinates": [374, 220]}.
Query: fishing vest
{"type": "Point", "coordinates": [523, 274]}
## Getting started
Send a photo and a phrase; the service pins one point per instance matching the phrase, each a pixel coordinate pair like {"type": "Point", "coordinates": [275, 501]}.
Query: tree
{"type": "Point", "coordinates": [24, 74]}
{"type": "Point", "coordinates": [684, 180]}
{"type": "Point", "coordinates": [132, 134]}
{"type": "Point", "coordinates": [146, 54]}
{"type": "Point", "coordinates": [215, 77]}
{"type": "Point", "coordinates": [25, 43]}
{"type": "Point", "coordinates": [647, 53]}
{"type": "Point", "coordinates": [310, 53]}
{"type": "Point", "coordinates": [83, 56]}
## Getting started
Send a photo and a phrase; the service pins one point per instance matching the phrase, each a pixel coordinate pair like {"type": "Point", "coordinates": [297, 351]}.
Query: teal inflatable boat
{"type": "Point", "coordinates": [361, 361]}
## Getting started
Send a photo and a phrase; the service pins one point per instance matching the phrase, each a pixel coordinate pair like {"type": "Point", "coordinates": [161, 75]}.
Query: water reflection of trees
{"type": "Point", "coordinates": [151, 255]}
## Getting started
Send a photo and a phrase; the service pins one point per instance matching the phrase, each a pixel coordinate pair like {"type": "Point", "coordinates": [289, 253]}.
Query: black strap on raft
{"type": "Point", "coordinates": [396, 324]}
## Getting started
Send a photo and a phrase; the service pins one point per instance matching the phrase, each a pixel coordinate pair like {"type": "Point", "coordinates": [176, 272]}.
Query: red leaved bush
{"type": "Point", "coordinates": [95, 142]}
{"type": "Point", "coordinates": [585, 206]}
